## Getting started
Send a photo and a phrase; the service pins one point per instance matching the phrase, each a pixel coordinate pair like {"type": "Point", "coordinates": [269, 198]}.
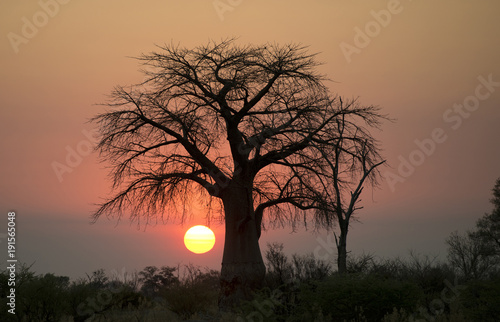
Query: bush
{"type": "Point", "coordinates": [43, 298]}
{"type": "Point", "coordinates": [97, 296]}
{"type": "Point", "coordinates": [480, 300]}
{"type": "Point", "coordinates": [351, 297]}
{"type": "Point", "coordinates": [197, 293]}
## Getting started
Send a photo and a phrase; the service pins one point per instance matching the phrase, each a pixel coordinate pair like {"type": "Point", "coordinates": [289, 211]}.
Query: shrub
{"type": "Point", "coordinates": [197, 293]}
{"type": "Point", "coordinates": [480, 300]}
{"type": "Point", "coordinates": [349, 297]}
{"type": "Point", "coordinates": [43, 298]}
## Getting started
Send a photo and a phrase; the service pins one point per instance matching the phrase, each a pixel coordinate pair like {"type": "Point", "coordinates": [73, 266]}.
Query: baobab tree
{"type": "Point", "coordinates": [244, 128]}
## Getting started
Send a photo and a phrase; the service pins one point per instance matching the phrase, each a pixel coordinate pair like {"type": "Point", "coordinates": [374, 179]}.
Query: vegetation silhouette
{"type": "Point", "coordinates": [300, 288]}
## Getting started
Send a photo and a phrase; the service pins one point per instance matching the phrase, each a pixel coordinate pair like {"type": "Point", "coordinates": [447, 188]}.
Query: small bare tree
{"type": "Point", "coordinates": [348, 162]}
{"type": "Point", "coordinates": [469, 256]}
{"type": "Point", "coordinates": [245, 129]}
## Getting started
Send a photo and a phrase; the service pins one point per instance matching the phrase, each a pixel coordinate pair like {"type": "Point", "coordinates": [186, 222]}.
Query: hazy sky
{"type": "Point", "coordinates": [431, 65]}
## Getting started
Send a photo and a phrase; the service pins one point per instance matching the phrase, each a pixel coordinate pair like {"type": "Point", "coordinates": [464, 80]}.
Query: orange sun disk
{"type": "Point", "coordinates": [199, 239]}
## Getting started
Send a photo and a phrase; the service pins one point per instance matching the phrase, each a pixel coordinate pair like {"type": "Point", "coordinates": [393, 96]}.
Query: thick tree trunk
{"type": "Point", "coordinates": [243, 269]}
{"type": "Point", "coordinates": [342, 249]}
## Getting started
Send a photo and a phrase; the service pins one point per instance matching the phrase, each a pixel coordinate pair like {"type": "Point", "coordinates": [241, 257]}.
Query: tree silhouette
{"type": "Point", "coordinates": [245, 129]}
{"type": "Point", "coordinates": [488, 226]}
{"type": "Point", "coordinates": [468, 255]}
{"type": "Point", "coordinates": [154, 279]}
{"type": "Point", "coordinates": [477, 253]}
{"type": "Point", "coordinates": [348, 162]}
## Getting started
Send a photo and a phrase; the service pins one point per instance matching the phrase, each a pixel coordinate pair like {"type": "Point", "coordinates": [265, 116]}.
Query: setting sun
{"type": "Point", "coordinates": [199, 239]}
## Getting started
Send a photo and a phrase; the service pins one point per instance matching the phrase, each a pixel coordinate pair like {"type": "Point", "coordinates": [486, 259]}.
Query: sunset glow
{"type": "Point", "coordinates": [199, 239]}
{"type": "Point", "coordinates": [431, 66]}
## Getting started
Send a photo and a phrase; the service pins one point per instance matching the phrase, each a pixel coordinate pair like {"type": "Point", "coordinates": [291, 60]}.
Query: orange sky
{"type": "Point", "coordinates": [416, 59]}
